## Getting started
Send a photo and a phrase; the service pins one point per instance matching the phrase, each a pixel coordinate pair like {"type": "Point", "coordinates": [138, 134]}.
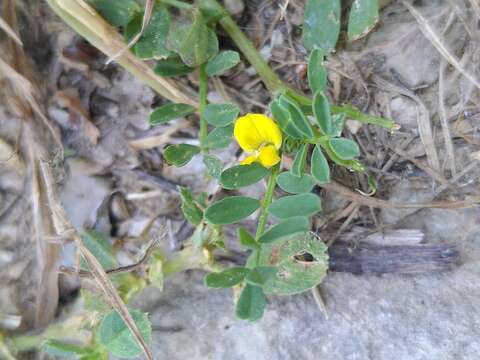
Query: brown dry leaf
{"type": "Point", "coordinates": [78, 115]}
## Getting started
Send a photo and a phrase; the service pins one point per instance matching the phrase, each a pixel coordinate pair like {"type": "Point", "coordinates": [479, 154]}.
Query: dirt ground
{"type": "Point", "coordinates": [115, 180]}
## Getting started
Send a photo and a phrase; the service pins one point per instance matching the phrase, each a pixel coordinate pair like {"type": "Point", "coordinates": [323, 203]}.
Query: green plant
{"type": "Point", "coordinates": [286, 258]}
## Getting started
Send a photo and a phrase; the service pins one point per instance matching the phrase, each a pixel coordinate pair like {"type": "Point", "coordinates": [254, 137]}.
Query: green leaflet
{"type": "Point", "coordinates": [226, 278]}
{"type": "Point", "coordinates": [222, 62]}
{"type": "Point", "coordinates": [117, 338]}
{"type": "Point", "coordinates": [362, 19]}
{"type": "Point", "coordinates": [221, 114]}
{"type": "Point", "coordinates": [195, 42]}
{"type": "Point", "coordinates": [231, 209]}
{"type": "Point", "coordinates": [321, 25]}
{"type": "Point", "coordinates": [319, 166]}
{"type": "Point", "coordinates": [298, 166]}
{"type": "Point", "coordinates": [295, 205]}
{"type": "Point", "coordinates": [180, 155]}
{"type": "Point", "coordinates": [219, 137]}
{"type": "Point", "coordinates": [242, 175]}
{"type": "Point", "coordinates": [295, 185]}
{"type": "Point", "coordinates": [251, 304]}
{"type": "Point", "coordinates": [317, 74]}
{"type": "Point", "coordinates": [152, 44]}
{"type": "Point", "coordinates": [165, 113]}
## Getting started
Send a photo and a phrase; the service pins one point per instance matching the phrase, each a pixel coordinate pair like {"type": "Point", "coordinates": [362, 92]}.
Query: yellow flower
{"type": "Point", "coordinates": [260, 137]}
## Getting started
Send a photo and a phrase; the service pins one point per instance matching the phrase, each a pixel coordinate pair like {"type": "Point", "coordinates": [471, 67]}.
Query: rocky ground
{"type": "Point", "coordinates": [114, 179]}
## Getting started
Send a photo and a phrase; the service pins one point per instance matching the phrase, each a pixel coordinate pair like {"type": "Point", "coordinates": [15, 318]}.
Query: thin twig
{"type": "Point", "coordinates": [117, 270]}
{"type": "Point", "coordinates": [383, 204]}
{"type": "Point", "coordinates": [438, 43]}
{"type": "Point", "coordinates": [317, 296]}
{"type": "Point", "coordinates": [447, 137]}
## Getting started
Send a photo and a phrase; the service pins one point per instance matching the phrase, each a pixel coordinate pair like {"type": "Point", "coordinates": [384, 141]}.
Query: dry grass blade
{"type": "Point", "coordinates": [447, 137]}
{"type": "Point", "coordinates": [111, 294]}
{"type": "Point", "coordinates": [384, 204]}
{"type": "Point", "coordinates": [62, 226]}
{"type": "Point", "coordinates": [423, 120]}
{"type": "Point", "coordinates": [147, 15]}
{"type": "Point", "coordinates": [86, 22]}
{"type": "Point", "coordinates": [439, 44]}
{"type": "Point", "coordinates": [10, 32]}
{"type": "Point", "coordinates": [25, 91]}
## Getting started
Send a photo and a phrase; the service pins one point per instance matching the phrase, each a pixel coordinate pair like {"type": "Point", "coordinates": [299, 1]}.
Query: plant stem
{"type": "Point", "coordinates": [267, 200]}
{"type": "Point", "coordinates": [202, 94]}
{"type": "Point", "coordinates": [269, 77]}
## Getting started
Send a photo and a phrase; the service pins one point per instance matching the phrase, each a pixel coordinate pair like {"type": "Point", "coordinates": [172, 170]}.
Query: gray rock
{"type": "Point", "coordinates": [431, 316]}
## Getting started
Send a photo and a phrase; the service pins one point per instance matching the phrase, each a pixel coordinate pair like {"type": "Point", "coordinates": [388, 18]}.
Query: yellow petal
{"type": "Point", "coordinates": [268, 156]}
{"type": "Point", "coordinates": [254, 130]}
{"type": "Point", "coordinates": [248, 160]}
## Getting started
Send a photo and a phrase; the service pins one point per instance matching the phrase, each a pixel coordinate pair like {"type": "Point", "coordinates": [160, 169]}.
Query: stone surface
{"type": "Point", "coordinates": [432, 316]}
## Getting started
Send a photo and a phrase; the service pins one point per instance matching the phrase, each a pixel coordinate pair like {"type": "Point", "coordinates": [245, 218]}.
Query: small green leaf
{"type": "Point", "coordinates": [226, 278]}
{"type": "Point", "coordinates": [61, 349]}
{"type": "Point", "coordinates": [295, 185]}
{"type": "Point", "coordinates": [172, 66]}
{"type": "Point", "coordinates": [221, 114]}
{"type": "Point", "coordinates": [169, 112]}
{"type": "Point", "coordinates": [320, 169]}
{"type": "Point", "coordinates": [260, 275]}
{"type": "Point", "coordinates": [219, 137]}
{"type": "Point", "coordinates": [99, 246]}
{"type": "Point", "coordinates": [362, 19]}
{"type": "Point", "coordinates": [180, 155]}
{"type": "Point", "coordinates": [116, 12]}
{"type": "Point", "coordinates": [295, 205]}
{"type": "Point", "coordinates": [282, 116]}
{"type": "Point", "coordinates": [246, 240]}
{"type": "Point", "coordinates": [321, 24]}
{"type": "Point", "coordinates": [338, 122]}
{"type": "Point", "coordinates": [297, 117]}
{"type": "Point", "coordinates": [213, 164]}
{"type": "Point", "coordinates": [251, 304]}
{"type": "Point", "coordinates": [152, 43]}
{"type": "Point", "coordinates": [301, 260]}
{"type": "Point", "coordinates": [317, 74]}
{"type": "Point", "coordinates": [231, 209]}
{"type": "Point", "coordinates": [321, 110]}
{"type": "Point", "coordinates": [298, 166]}
{"type": "Point", "coordinates": [349, 164]}
{"type": "Point", "coordinates": [117, 338]}
{"type": "Point", "coordinates": [285, 228]}
{"type": "Point", "coordinates": [194, 42]}
{"type": "Point", "coordinates": [242, 175]}
{"type": "Point", "coordinates": [345, 149]}
{"type": "Point", "coordinates": [222, 62]}
{"type": "Point", "coordinates": [190, 210]}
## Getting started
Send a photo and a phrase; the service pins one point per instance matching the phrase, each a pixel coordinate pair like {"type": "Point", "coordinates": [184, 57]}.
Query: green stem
{"type": "Point", "coordinates": [267, 200]}
{"type": "Point", "coordinates": [202, 94]}
{"type": "Point", "coordinates": [269, 77]}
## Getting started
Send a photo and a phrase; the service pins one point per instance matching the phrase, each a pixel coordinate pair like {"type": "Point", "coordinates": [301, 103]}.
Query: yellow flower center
{"type": "Point", "coordinates": [260, 137]}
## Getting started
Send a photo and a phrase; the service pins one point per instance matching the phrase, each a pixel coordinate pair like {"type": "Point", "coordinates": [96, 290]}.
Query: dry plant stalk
{"type": "Point", "coordinates": [49, 216]}
{"type": "Point", "coordinates": [439, 43]}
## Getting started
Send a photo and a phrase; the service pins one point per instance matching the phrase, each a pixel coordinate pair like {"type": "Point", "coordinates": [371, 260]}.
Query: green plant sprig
{"type": "Point", "coordinates": [285, 258]}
